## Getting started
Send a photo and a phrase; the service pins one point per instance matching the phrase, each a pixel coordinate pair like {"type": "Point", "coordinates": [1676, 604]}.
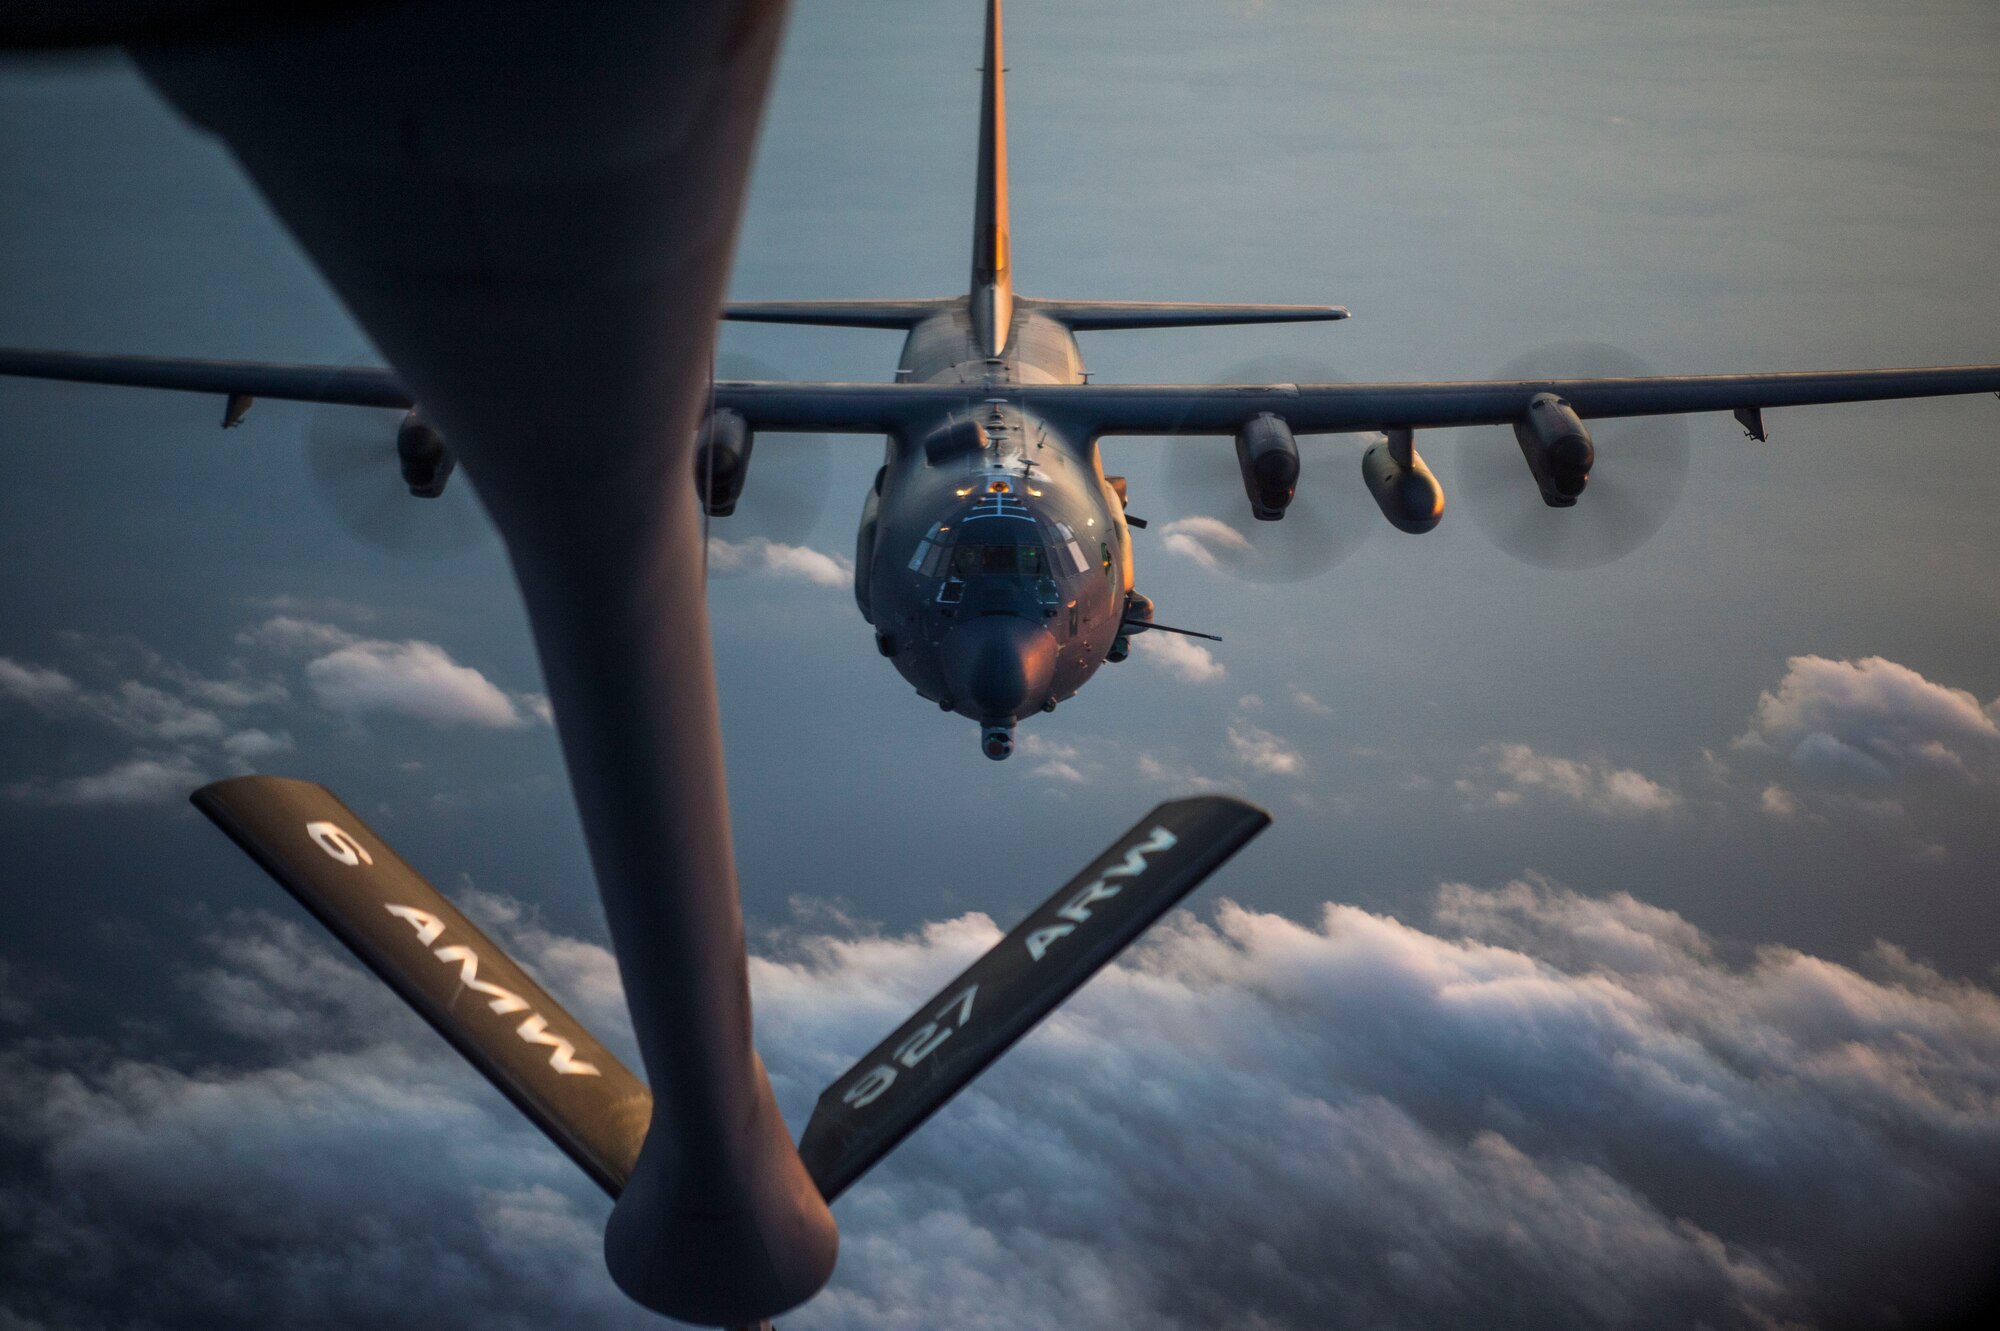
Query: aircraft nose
{"type": "Point", "coordinates": [998, 667]}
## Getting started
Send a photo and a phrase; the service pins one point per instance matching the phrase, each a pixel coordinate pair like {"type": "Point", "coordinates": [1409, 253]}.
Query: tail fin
{"type": "Point", "coordinates": [992, 266]}
{"type": "Point", "coordinates": [992, 290]}
{"type": "Point", "coordinates": [458, 979]}
{"type": "Point", "coordinates": [973, 1020]}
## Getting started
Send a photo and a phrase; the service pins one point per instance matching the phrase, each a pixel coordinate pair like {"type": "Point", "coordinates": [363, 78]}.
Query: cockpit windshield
{"type": "Point", "coordinates": [987, 561]}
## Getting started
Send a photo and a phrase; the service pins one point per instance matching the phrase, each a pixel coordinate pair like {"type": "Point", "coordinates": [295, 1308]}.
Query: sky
{"type": "Point", "coordinates": [1624, 950]}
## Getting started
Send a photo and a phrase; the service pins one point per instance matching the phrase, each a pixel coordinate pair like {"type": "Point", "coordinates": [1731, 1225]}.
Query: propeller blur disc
{"type": "Point", "coordinates": [1329, 516]}
{"type": "Point", "coordinates": [1639, 475]}
{"type": "Point", "coordinates": [351, 455]}
{"type": "Point", "coordinates": [783, 495]}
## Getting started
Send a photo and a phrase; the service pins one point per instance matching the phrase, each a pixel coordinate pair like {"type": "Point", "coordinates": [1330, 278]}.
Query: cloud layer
{"type": "Point", "coordinates": [159, 729]}
{"type": "Point", "coordinates": [1544, 1111]}
{"type": "Point", "coordinates": [1874, 718]}
{"type": "Point", "coordinates": [1209, 542]}
{"type": "Point", "coordinates": [1260, 751]}
{"type": "Point", "coordinates": [798, 563]}
{"type": "Point", "coordinates": [1510, 774]}
{"type": "Point", "coordinates": [1180, 656]}
{"type": "Point", "coordinates": [359, 676]}
{"type": "Point", "coordinates": [413, 679]}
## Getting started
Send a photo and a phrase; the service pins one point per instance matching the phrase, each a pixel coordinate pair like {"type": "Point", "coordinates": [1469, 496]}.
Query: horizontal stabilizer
{"type": "Point", "coordinates": [837, 313]}
{"type": "Point", "coordinates": [1000, 997]}
{"type": "Point", "coordinates": [457, 979]}
{"type": "Point", "coordinates": [1095, 315]}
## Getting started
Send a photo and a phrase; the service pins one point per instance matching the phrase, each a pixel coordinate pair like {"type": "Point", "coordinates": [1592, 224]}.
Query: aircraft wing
{"type": "Point", "coordinates": [1351, 408]}
{"type": "Point", "coordinates": [353, 386]}
{"type": "Point", "coordinates": [1090, 410]}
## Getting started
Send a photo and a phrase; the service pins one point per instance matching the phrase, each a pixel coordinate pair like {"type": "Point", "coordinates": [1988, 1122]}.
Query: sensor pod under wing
{"type": "Point", "coordinates": [472, 993]}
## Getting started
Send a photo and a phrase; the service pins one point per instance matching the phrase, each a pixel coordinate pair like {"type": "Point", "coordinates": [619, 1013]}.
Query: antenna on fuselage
{"type": "Point", "coordinates": [992, 271]}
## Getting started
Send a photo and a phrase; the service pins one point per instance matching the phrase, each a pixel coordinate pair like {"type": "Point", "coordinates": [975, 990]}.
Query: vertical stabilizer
{"type": "Point", "coordinates": [992, 275]}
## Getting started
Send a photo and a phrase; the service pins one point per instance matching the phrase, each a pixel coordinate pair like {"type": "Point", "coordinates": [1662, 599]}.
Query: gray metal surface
{"type": "Point", "coordinates": [998, 999]}
{"type": "Point", "coordinates": [1085, 316]}
{"type": "Point", "coordinates": [1089, 410]}
{"type": "Point", "coordinates": [992, 287]}
{"type": "Point", "coordinates": [530, 209]}
{"type": "Point", "coordinates": [836, 313]}
{"type": "Point", "coordinates": [346, 386]}
{"type": "Point", "coordinates": [458, 980]}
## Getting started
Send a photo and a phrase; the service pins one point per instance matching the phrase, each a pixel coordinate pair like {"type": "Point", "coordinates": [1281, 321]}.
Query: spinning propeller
{"type": "Point", "coordinates": [358, 475]}
{"type": "Point", "coordinates": [1639, 474]}
{"type": "Point", "coordinates": [783, 493]}
{"type": "Point", "coordinates": [1329, 515]}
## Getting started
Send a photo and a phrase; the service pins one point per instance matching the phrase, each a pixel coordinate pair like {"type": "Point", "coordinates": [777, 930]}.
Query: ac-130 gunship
{"type": "Point", "coordinates": [994, 559]}
{"type": "Point", "coordinates": [994, 556]}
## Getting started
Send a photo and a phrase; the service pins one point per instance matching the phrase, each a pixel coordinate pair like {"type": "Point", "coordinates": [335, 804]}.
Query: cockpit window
{"type": "Point", "coordinates": [930, 555]}
{"type": "Point", "coordinates": [987, 561]}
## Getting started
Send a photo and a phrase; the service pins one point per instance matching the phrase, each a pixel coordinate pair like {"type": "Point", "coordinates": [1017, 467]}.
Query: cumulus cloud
{"type": "Point", "coordinates": [1263, 752]}
{"type": "Point", "coordinates": [1109, 761]}
{"type": "Point", "coordinates": [1507, 774]}
{"type": "Point", "coordinates": [37, 686]}
{"type": "Point", "coordinates": [1166, 772]}
{"type": "Point", "coordinates": [360, 676]}
{"type": "Point", "coordinates": [350, 1171]}
{"type": "Point", "coordinates": [798, 563]}
{"type": "Point", "coordinates": [150, 713]}
{"type": "Point", "coordinates": [132, 706]}
{"type": "Point", "coordinates": [1209, 542]}
{"type": "Point", "coordinates": [1180, 656]}
{"type": "Point", "coordinates": [175, 724]}
{"type": "Point", "coordinates": [179, 734]}
{"type": "Point", "coordinates": [295, 636]}
{"type": "Point", "coordinates": [1874, 718]}
{"type": "Point", "coordinates": [1305, 702]}
{"type": "Point", "coordinates": [1544, 1111]}
{"type": "Point", "coordinates": [236, 692]}
{"type": "Point", "coordinates": [249, 745]}
{"type": "Point", "coordinates": [413, 679]}
{"type": "Point", "coordinates": [1035, 744]}
{"type": "Point", "coordinates": [139, 780]}
{"type": "Point", "coordinates": [1779, 802]}
{"type": "Point", "coordinates": [1051, 760]}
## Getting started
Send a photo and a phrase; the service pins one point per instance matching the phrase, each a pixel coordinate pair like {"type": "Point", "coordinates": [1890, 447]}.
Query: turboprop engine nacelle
{"type": "Point", "coordinates": [1402, 483]}
{"type": "Point", "coordinates": [1268, 457]}
{"type": "Point", "coordinates": [722, 461]}
{"type": "Point", "coordinates": [1557, 447]}
{"type": "Point", "coordinates": [427, 464]}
